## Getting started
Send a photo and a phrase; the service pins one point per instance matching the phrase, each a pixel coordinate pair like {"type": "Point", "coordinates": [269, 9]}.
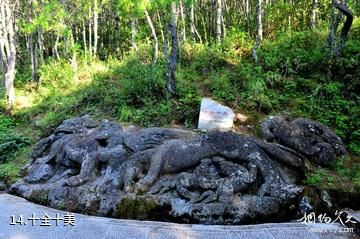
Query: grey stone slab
{"type": "Point", "coordinates": [37, 232]}
{"type": "Point", "coordinates": [337, 235]}
{"type": "Point", "coordinates": [293, 233]}
{"type": "Point", "coordinates": [88, 227]}
{"type": "Point", "coordinates": [331, 231]}
{"type": "Point", "coordinates": [126, 232]}
{"type": "Point", "coordinates": [251, 234]}
{"type": "Point", "coordinates": [219, 234]}
{"type": "Point", "coordinates": [167, 233]}
{"type": "Point", "coordinates": [89, 230]}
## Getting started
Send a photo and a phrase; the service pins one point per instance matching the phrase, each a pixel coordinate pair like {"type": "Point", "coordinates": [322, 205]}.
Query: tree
{"type": "Point", "coordinates": [8, 47]}
{"type": "Point", "coordinates": [95, 27]}
{"type": "Point", "coordinates": [259, 29]}
{"type": "Point", "coordinates": [156, 43]}
{"type": "Point", "coordinates": [171, 60]}
{"type": "Point", "coordinates": [335, 46]}
{"type": "Point", "coordinates": [347, 24]}
{"type": "Point", "coordinates": [313, 14]}
{"type": "Point", "coordinates": [218, 21]}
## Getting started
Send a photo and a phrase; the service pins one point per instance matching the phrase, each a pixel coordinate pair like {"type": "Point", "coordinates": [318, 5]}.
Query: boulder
{"type": "Point", "coordinates": [308, 137]}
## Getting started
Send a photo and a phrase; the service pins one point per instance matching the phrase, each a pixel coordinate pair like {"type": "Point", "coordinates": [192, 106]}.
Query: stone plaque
{"type": "Point", "coordinates": [214, 115]}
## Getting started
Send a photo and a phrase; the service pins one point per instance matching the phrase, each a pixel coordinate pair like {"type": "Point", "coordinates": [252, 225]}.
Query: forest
{"type": "Point", "coordinates": [149, 62]}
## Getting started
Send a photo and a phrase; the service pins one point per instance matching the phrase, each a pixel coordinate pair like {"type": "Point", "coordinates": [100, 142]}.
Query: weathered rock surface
{"type": "Point", "coordinates": [308, 137]}
{"type": "Point", "coordinates": [163, 174]}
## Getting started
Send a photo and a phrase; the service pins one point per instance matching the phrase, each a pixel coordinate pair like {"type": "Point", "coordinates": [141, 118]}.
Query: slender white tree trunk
{"type": "Point", "coordinates": [259, 30]}
{"type": "Point", "coordinates": [41, 44]}
{"type": "Point", "coordinates": [218, 21]}
{"type": "Point", "coordinates": [133, 33]}
{"type": "Point", "coordinates": [8, 48]}
{"type": "Point", "coordinates": [32, 57]}
{"type": "Point", "coordinates": [84, 41]}
{"type": "Point", "coordinates": [183, 28]}
{"type": "Point", "coordinates": [31, 45]}
{"type": "Point", "coordinates": [160, 25]}
{"type": "Point", "coordinates": [74, 65]}
{"type": "Point", "coordinates": [313, 15]}
{"type": "Point", "coordinates": [56, 47]}
{"type": "Point", "coordinates": [192, 22]}
{"type": "Point", "coordinates": [156, 43]}
{"type": "Point", "coordinates": [90, 35]}
{"type": "Point", "coordinates": [95, 27]}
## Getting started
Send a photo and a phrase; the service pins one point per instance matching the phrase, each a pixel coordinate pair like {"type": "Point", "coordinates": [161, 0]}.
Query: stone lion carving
{"type": "Point", "coordinates": [208, 177]}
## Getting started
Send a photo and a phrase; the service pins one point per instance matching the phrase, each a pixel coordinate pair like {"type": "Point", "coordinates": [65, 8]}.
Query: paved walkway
{"type": "Point", "coordinates": [98, 227]}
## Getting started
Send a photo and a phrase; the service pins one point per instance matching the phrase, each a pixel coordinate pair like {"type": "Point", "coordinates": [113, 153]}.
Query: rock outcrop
{"type": "Point", "coordinates": [164, 174]}
{"type": "Point", "coordinates": [308, 137]}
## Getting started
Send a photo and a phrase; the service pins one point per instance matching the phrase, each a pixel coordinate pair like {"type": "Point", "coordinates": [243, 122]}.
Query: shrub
{"type": "Point", "coordinates": [56, 75]}
{"type": "Point", "coordinates": [9, 142]}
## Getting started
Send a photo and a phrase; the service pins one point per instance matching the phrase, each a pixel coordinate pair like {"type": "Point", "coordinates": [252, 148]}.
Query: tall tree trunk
{"type": "Point", "coordinates": [73, 60]}
{"type": "Point", "coordinates": [95, 27]}
{"type": "Point", "coordinates": [90, 35]}
{"type": "Point", "coordinates": [31, 44]}
{"type": "Point", "coordinates": [331, 40]}
{"type": "Point", "coordinates": [183, 25]}
{"type": "Point", "coordinates": [84, 41]}
{"type": "Point", "coordinates": [172, 62]}
{"type": "Point", "coordinates": [347, 24]}
{"type": "Point", "coordinates": [56, 47]}
{"type": "Point", "coordinates": [247, 16]}
{"type": "Point", "coordinates": [259, 30]}
{"type": "Point", "coordinates": [8, 48]}
{"type": "Point", "coordinates": [156, 43]}
{"type": "Point", "coordinates": [218, 21]}
{"type": "Point", "coordinates": [160, 25]}
{"type": "Point", "coordinates": [40, 38]}
{"type": "Point", "coordinates": [133, 33]}
{"type": "Point", "coordinates": [313, 15]}
{"type": "Point", "coordinates": [3, 67]}
{"type": "Point", "coordinates": [32, 57]}
{"type": "Point", "coordinates": [193, 31]}
{"type": "Point", "coordinates": [223, 27]}
{"type": "Point", "coordinates": [192, 21]}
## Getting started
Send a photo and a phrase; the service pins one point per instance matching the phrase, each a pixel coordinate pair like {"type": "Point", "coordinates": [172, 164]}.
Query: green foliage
{"type": "Point", "coordinates": [140, 84]}
{"type": "Point", "coordinates": [141, 97]}
{"type": "Point", "coordinates": [298, 53]}
{"type": "Point", "coordinates": [56, 75]}
{"type": "Point", "coordinates": [316, 178]}
{"type": "Point", "coordinates": [349, 167]}
{"type": "Point", "coordinates": [355, 29]}
{"type": "Point", "coordinates": [10, 143]}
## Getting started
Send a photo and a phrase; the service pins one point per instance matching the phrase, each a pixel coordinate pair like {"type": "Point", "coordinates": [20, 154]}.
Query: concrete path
{"type": "Point", "coordinates": [31, 219]}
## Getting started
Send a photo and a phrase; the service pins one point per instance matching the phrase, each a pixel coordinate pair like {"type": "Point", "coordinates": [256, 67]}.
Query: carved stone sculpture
{"type": "Point", "coordinates": [212, 177]}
